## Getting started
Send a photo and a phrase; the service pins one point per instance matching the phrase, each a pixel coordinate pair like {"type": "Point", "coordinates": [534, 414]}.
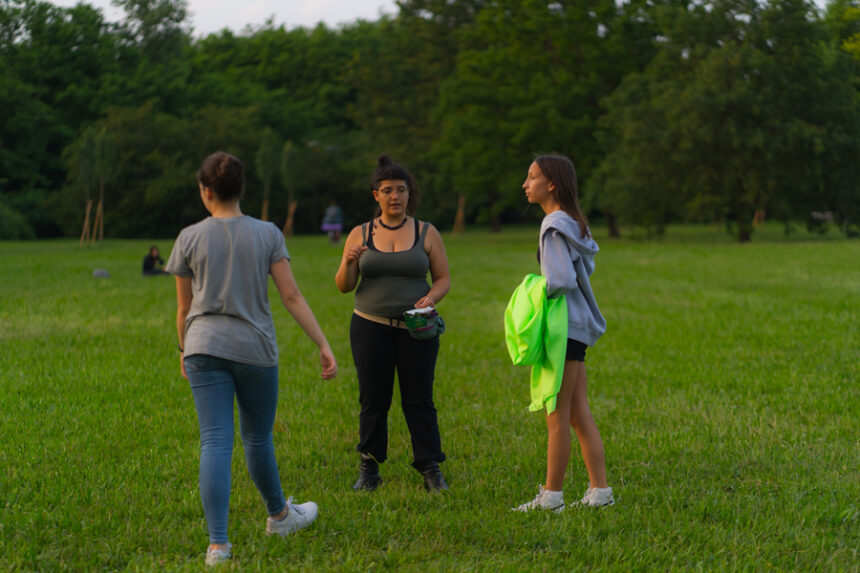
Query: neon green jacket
{"type": "Point", "coordinates": [536, 336]}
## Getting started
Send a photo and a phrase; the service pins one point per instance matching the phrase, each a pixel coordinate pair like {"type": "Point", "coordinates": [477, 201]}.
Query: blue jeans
{"type": "Point", "coordinates": [214, 382]}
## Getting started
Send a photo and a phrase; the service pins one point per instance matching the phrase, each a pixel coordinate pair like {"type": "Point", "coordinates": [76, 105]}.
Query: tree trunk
{"type": "Point", "coordinates": [612, 223]}
{"type": "Point", "coordinates": [460, 219]}
{"type": "Point", "coordinates": [288, 225]}
{"type": "Point", "coordinates": [100, 214]}
{"type": "Point", "coordinates": [745, 229]}
{"type": "Point", "coordinates": [264, 216]}
{"type": "Point", "coordinates": [85, 234]}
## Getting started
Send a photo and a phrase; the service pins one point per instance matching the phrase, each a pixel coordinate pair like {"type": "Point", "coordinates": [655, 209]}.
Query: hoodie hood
{"type": "Point", "coordinates": [567, 226]}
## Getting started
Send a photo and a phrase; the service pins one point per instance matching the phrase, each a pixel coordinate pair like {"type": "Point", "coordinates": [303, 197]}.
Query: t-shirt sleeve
{"type": "Point", "coordinates": [556, 264]}
{"type": "Point", "coordinates": [177, 263]}
{"type": "Point", "coordinates": [279, 248]}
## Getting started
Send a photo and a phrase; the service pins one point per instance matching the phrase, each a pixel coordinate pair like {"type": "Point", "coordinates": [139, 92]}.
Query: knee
{"type": "Point", "coordinates": [375, 407]}
{"type": "Point", "coordinates": [257, 441]}
{"type": "Point", "coordinates": [420, 404]}
{"type": "Point", "coordinates": [216, 444]}
{"type": "Point", "coordinates": [580, 421]}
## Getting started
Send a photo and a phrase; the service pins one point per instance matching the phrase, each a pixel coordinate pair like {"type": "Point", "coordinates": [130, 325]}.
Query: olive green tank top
{"type": "Point", "coordinates": [391, 283]}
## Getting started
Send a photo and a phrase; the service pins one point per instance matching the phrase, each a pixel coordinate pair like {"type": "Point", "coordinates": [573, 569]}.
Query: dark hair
{"type": "Point", "coordinates": [224, 174]}
{"type": "Point", "coordinates": [386, 170]}
{"type": "Point", "coordinates": [560, 170]}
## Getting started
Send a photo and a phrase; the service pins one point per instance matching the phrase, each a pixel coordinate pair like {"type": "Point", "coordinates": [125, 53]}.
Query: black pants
{"type": "Point", "coordinates": [378, 350]}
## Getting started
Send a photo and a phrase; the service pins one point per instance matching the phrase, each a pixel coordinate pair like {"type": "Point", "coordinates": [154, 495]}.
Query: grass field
{"type": "Point", "coordinates": [726, 390]}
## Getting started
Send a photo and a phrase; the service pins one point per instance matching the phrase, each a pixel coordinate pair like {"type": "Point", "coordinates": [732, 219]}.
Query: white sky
{"type": "Point", "coordinates": [208, 16]}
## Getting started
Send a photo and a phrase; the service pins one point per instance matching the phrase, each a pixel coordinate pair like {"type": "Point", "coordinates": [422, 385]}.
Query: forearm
{"type": "Point", "coordinates": [347, 276]}
{"type": "Point", "coordinates": [181, 316]}
{"type": "Point", "coordinates": [439, 289]}
{"type": "Point", "coordinates": [301, 312]}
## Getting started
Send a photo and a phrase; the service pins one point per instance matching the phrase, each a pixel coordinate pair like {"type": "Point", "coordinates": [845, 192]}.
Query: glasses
{"type": "Point", "coordinates": [399, 189]}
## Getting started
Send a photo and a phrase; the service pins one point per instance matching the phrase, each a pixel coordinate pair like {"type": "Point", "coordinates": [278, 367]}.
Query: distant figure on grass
{"type": "Point", "coordinates": [566, 254]}
{"type": "Point", "coordinates": [393, 253]}
{"type": "Point", "coordinates": [227, 345]}
{"type": "Point", "coordinates": [153, 262]}
{"type": "Point", "coordinates": [332, 222]}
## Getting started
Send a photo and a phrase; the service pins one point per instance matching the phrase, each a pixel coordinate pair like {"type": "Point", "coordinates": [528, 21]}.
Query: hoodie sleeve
{"type": "Point", "coordinates": [556, 263]}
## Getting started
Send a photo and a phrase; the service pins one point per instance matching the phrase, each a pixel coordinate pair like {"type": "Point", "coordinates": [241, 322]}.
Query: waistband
{"type": "Point", "coordinates": [395, 322]}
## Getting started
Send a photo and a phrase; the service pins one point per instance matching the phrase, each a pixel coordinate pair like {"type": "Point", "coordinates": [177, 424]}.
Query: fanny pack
{"type": "Point", "coordinates": [424, 323]}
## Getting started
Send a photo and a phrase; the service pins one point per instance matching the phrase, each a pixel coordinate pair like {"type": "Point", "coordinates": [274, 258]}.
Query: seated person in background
{"type": "Point", "coordinates": [153, 262]}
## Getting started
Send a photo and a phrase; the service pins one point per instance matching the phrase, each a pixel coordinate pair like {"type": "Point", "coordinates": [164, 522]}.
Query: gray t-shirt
{"type": "Point", "coordinates": [228, 261]}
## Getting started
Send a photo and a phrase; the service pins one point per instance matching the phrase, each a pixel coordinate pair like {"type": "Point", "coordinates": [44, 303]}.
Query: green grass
{"type": "Point", "coordinates": [725, 390]}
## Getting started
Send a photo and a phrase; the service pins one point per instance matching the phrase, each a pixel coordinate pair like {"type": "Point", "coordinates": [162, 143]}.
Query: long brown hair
{"type": "Point", "coordinates": [560, 170]}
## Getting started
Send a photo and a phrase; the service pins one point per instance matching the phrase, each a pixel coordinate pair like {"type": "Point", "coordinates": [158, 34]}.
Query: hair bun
{"type": "Point", "coordinates": [383, 160]}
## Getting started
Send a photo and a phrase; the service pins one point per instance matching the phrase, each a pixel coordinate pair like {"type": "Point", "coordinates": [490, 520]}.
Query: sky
{"type": "Point", "coordinates": [209, 16]}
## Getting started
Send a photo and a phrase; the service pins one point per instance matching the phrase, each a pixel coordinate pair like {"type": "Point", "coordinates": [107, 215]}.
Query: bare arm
{"type": "Point", "coordinates": [183, 306]}
{"type": "Point", "coordinates": [347, 273]}
{"type": "Point", "coordinates": [439, 273]}
{"type": "Point", "coordinates": [298, 308]}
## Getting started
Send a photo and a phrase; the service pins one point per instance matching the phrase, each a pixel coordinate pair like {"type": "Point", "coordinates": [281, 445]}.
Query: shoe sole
{"type": "Point", "coordinates": [292, 530]}
{"type": "Point", "coordinates": [558, 509]}
{"type": "Point", "coordinates": [368, 488]}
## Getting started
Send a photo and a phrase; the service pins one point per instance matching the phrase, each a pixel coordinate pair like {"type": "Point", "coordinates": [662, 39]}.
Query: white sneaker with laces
{"type": "Point", "coordinates": [551, 500]}
{"type": "Point", "coordinates": [216, 556]}
{"type": "Point", "coordinates": [597, 497]}
{"type": "Point", "coordinates": [299, 516]}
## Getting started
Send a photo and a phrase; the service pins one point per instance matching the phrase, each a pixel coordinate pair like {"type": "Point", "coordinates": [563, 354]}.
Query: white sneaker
{"type": "Point", "coordinates": [553, 501]}
{"type": "Point", "coordinates": [298, 517]}
{"type": "Point", "coordinates": [216, 556]}
{"type": "Point", "coordinates": [597, 497]}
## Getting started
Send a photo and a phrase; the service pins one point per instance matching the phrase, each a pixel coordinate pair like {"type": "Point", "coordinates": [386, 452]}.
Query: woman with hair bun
{"type": "Point", "coordinates": [227, 345]}
{"type": "Point", "coordinates": [392, 254]}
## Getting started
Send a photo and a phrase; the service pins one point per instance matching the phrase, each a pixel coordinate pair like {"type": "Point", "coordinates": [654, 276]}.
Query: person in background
{"type": "Point", "coordinates": [227, 346]}
{"type": "Point", "coordinates": [392, 254]}
{"type": "Point", "coordinates": [332, 222]}
{"type": "Point", "coordinates": [153, 262]}
{"type": "Point", "coordinates": [566, 255]}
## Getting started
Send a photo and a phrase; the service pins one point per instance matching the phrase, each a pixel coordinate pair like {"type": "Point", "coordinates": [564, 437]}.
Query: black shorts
{"type": "Point", "coordinates": [575, 350]}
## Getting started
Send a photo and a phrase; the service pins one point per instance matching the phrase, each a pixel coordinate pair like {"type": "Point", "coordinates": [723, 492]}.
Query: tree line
{"type": "Point", "coordinates": [671, 110]}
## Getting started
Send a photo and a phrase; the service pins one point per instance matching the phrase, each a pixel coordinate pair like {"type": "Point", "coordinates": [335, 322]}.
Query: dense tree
{"type": "Point", "coordinates": [267, 159]}
{"type": "Point", "coordinates": [51, 64]}
{"type": "Point", "coordinates": [743, 108]}
{"type": "Point", "coordinates": [529, 79]}
{"type": "Point", "coordinates": [671, 110]}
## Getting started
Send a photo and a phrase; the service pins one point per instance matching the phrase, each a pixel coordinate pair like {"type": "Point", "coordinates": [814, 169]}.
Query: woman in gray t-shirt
{"type": "Point", "coordinates": [227, 345]}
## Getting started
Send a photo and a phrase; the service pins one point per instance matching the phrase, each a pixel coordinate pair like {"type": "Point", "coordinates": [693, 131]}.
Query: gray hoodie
{"type": "Point", "coordinates": [567, 260]}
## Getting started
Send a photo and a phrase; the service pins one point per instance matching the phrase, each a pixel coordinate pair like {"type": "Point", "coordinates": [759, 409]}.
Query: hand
{"type": "Point", "coordinates": [182, 366]}
{"type": "Point", "coordinates": [425, 302]}
{"type": "Point", "coordinates": [352, 254]}
{"type": "Point", "coordinates": [328, 363]}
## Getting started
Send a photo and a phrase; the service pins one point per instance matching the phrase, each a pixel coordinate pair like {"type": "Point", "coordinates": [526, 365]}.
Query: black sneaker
{"type": "Point", "coordinates": [433, 478]}
{"type": "Point", "coordinates": [368, 476]}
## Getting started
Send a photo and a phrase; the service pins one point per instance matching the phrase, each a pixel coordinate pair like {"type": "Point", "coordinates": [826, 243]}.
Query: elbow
{"type": "Point", "coordinates": [343, 283]}
{"type": "Point", "coordinates": [289, 299]}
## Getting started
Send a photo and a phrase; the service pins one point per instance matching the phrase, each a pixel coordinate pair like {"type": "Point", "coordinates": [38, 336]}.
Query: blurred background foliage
{"type": "Point", "coordinates": [673, 111]}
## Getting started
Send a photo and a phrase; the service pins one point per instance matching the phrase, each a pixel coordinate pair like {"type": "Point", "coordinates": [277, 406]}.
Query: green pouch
{"type": "Point", "coordinates": [424, 324]}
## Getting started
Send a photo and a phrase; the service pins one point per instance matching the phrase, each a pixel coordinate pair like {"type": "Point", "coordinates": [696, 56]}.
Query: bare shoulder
{"type": "Point", "coordinates": [434, 238]}
{"type": "Point", "coordinates": [432, 232]}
